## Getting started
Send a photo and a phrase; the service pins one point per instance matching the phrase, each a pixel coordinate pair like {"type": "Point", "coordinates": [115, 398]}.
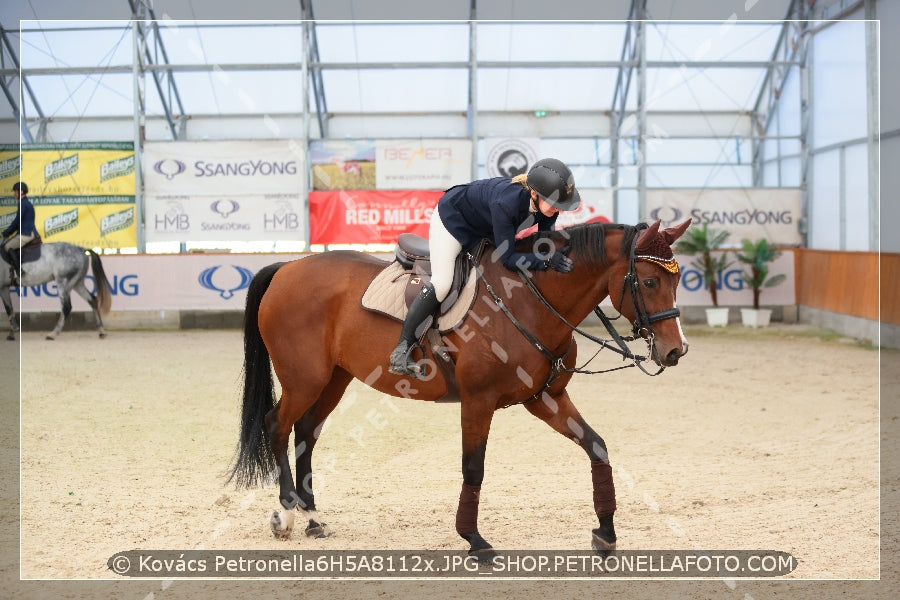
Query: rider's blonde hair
{"type": "Point", "coordinates": [521, 178]}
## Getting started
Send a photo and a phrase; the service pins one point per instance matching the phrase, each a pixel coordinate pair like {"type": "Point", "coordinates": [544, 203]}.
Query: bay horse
{"type": "Point", "coordinates": [67, 265]}
{"type": "Point", "coordinates": [305, 318]}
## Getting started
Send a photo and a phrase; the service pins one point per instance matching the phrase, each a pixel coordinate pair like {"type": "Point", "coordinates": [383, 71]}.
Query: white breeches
{"type": "Point", "coordinates": [444, 250]}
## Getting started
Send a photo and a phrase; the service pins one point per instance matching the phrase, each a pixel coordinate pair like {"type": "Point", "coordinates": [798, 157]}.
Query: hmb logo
{"type": "Point", "coordinates": [174, 219]}
{"type": "Point", "coordinates": [283, 219]}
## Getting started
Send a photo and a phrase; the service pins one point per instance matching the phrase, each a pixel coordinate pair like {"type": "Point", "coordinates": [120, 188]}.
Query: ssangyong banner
{"type": "Point", "coordinates": [224, 217]}
{"type": "Point", "coordinates": [219, 282]}
{"type": "Point", "coordinates": [163, 282]}
{"type": "Point", "coordinates": [429, 164]}
{"type": "Point", "coordinates": [227, 168]}
{"type": "Point", "coordinates": [770, 213]}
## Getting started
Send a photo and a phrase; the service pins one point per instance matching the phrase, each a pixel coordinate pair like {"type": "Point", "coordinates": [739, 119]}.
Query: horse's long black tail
{"type": "Point", "coordinates": [255, 460]}
{"type": "Point", "coordinates": [104, 292]}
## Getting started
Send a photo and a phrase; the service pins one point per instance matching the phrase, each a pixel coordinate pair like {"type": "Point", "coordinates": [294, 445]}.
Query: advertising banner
{"type": "Point", "coordinates": [435, 164]}
{"type": "Point", "coordinates": [369, 216]}
{"type": "Point", "coordinates": [83, 193]}
{"type": "Point", "coordinates": [220, 281]}
{"type": "Point", "coordinates": [770, 213]}
{"type": "Point", "coordinates": [343, 164]}
{"type": "Point", "coordinates": [163, 282]}
{"type": "Point", "coordinates": [87, 221]}
{"type": "Point", "coordinates": [252, 217]}
{"type": "Point", "coordinates": [72, 169]}
{"type": "Point", "coordinates": [508, 157]}
{"type": "Point", "coordinates": [226, 168]}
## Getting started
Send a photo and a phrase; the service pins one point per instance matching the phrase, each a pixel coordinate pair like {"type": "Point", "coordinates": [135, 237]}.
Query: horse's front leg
{"type": "Point", "coordinates": [65, 308]}
{"type": "Point", "coordinates": [10, 312]}
{"type": "Point", "coordinates": [476, 425]}
{"type": "Point", "coordinates": [559, 412]}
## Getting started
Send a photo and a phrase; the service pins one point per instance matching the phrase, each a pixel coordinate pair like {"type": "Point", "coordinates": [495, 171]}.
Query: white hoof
{"type": "Point", "coordinates": [282, 522]}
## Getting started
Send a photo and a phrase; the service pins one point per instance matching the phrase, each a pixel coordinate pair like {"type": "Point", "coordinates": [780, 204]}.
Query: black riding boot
{"type": "Point", "coordinates": [15, 256]}
{"type": "Point", "coordinates": [417, 320]}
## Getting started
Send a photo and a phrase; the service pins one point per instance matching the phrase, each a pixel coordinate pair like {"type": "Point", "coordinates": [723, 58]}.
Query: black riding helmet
{"type": "Point", "coordinates": [554, 182]}
{"type": "Point", "coordinates": [20, 186]}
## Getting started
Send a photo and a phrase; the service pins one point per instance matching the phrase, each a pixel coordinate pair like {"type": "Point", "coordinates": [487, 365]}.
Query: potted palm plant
{"type": "Point", "coordinates": [703, 243]}
{"type": "Point", "coordinates": [757, 255]}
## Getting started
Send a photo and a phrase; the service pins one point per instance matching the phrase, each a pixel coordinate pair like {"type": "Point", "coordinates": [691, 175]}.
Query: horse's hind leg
{"type": "Point", "coordinates": [91, 299]}
{"type": "Point", "coordinates": [559, 412]}
{"type": "Point", "coordinates": [65, 309]}
{"type": "Point", "coordinates": [306, 433]}
{"type": "Point", "coordinates": [290, 410]}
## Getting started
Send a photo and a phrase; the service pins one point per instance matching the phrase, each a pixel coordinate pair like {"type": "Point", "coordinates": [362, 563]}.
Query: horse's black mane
{"type": "Point", "coordinates": [587, 240]}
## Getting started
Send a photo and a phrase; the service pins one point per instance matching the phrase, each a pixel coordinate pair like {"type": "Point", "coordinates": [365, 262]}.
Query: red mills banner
{"type": "Point", "coordinates": [369, 216]}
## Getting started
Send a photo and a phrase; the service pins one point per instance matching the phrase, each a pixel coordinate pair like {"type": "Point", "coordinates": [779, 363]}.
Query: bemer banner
{"type": "Point", "coordinates": [422, 164]}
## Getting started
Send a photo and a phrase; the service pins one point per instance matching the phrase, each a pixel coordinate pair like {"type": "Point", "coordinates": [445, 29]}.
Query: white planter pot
{"type": "Point", "coordinates": [752, 317]}
{"type": "Point", "coordinates": [717, 316]}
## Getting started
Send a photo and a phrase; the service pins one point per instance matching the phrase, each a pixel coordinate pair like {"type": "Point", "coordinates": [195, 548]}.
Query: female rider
{"type": "Point", "coordinates": [495, 209]}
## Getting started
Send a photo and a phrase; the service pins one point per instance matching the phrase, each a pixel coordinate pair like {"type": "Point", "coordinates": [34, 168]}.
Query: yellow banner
{"type": "Point", "coordinates": [82, 193]}
{"type": "Point", "coordinates": [92, 168]}
{"type": "Point", "coordinates": [110, 223]}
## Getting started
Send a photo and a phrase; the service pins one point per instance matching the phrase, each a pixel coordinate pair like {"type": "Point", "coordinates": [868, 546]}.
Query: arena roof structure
{"type": "Point", "coordinates": [651, 93]}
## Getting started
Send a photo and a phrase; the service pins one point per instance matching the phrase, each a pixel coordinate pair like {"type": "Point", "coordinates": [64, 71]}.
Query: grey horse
{"type": "Point", "coordinates": [67, 265]}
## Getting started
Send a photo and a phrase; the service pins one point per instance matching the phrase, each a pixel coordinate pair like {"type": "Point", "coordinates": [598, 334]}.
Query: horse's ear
{"type": "Point", "coordinates": [647, 237]}
{"type": "Point", "coordinates": [673, 233]}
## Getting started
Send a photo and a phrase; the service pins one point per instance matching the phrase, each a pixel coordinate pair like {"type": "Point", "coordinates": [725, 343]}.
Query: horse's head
{"type": "Point", "coordinates": [642, 287]}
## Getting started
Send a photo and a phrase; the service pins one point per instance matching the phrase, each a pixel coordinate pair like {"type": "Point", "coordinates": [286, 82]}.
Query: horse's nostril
{"type": "Point", "coordinates": [674, 355]}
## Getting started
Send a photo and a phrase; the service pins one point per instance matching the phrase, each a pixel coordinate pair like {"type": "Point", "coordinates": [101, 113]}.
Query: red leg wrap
{"type": "Point", "coordinates": [604, 490]}
{"type": "Point", "coordinates": [467, 513]}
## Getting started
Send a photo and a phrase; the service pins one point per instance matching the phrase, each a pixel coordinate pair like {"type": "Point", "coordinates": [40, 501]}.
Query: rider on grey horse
{"type": "Point", "coordinates": [21, 230]}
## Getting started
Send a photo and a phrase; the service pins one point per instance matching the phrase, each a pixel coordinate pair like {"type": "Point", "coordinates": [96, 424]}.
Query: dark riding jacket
{"type": "Point", "coordinates": [496, 209]}
{"type": "Point", "coordinates": [23, 222]}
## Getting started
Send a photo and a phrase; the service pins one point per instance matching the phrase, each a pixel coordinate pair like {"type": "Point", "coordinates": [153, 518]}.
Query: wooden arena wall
{"type": "Point", "coordinates": [847, 283]}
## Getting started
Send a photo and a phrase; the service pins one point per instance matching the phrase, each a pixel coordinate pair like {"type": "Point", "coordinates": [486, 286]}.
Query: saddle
{"type": "Point", "coordinates": [396, 286]}
{"type": "Point", "coordinates": [393, 290]}
{"type": "Point", "coordinates": [30, 252]}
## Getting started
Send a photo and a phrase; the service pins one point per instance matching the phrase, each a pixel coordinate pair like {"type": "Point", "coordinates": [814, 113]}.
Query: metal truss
{"type": "Point", "coordinates": [152, 52]}
{"type": "Point", "coordinates": [11, 71]}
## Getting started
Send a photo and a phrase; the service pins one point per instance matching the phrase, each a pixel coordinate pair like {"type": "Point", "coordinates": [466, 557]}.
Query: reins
{"type": "Point", "coordinates": [642, 324]}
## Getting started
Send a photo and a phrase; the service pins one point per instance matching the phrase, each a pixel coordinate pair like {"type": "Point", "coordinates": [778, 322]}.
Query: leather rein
{"type": "Point", "coordinates": [642, 325]}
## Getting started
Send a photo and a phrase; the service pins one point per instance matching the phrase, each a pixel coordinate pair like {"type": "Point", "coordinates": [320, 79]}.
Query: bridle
{"type": "Point", "coordinates": [641, 328]}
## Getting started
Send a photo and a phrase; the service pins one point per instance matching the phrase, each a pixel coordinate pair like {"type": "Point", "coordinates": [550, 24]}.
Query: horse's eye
{"type": "Point", "coordinates": [650, 283]}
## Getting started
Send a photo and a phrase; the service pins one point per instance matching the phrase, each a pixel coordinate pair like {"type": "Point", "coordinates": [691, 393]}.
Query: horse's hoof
{"type": "Point", "coordinates": [282, 522]}
{"type": "Point", "coordinates": [50, 337]}
{"type": "Point", "coordinates": [11, 337]}
{"type": "Point", "coordinates": [102, 335]}
{"type": "Point", "coordinates": [483, 555]}
{"type": "Point", "coordinates": [601, 546]}
{"type": "Point", "coordinates": [317, 530]}
{"type": "Point", "coordinates": [479, 547]}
